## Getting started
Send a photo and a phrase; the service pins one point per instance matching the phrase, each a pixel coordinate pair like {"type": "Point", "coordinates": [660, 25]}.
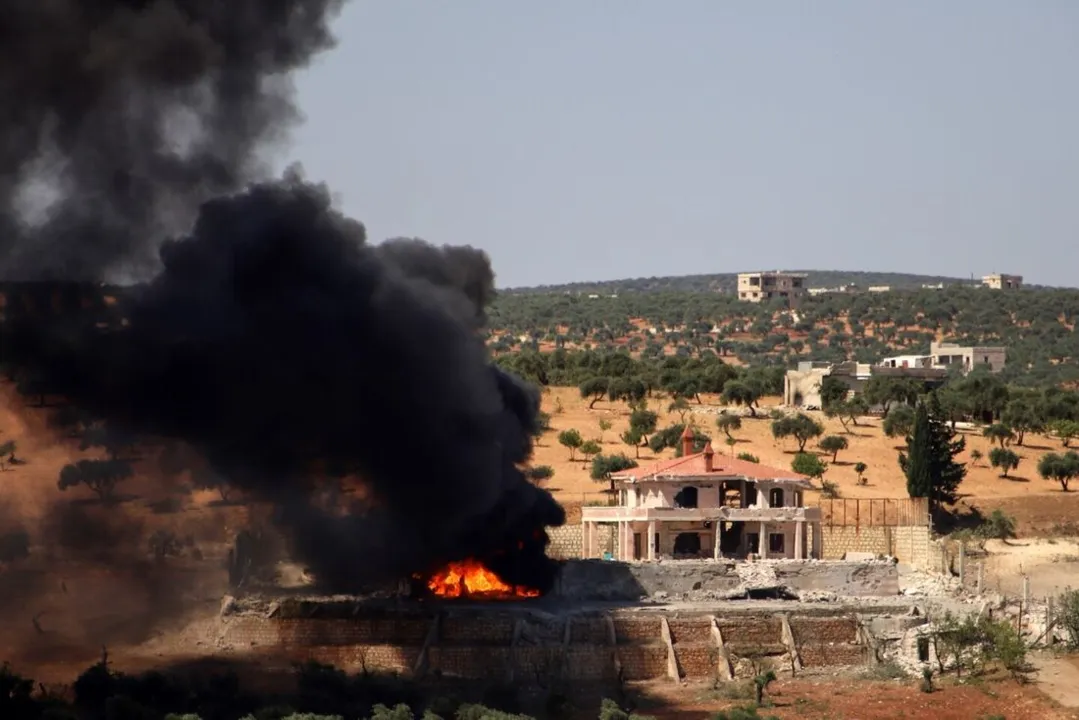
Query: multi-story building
{"type": "Point", "coordinates": [763, 286]}
{"type": "Point", "coordinates": [706, 505]}
{"type": "Point", "coordinates": [947, 355]}
{"type": "Point", "coordinates": [1003, 282]}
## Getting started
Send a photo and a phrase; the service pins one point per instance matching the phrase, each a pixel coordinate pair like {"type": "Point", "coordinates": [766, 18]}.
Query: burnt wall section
{"type": "Point", "coordinates": [524, 645]}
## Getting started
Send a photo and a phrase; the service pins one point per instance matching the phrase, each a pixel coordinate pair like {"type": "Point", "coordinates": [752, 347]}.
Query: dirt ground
{"type": "Point", "coordinates": [1038, 505]}
{"type": "Point", "coordinates": [833, 696]}
{"type": "Point", "coordinates": [72, 609]}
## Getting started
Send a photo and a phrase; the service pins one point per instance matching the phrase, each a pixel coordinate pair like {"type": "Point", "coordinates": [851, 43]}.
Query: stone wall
{"type": "Point", "coordinates": [522, 646]}
{"type": "Point", "coordinates": [908, 544]}
{"type": "Point", "coordinates": [566, 542]}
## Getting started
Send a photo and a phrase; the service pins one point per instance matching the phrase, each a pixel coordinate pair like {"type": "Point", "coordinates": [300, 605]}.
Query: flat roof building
{"type": "Point", "coordinates": [764, 286]}
{"type": "Point", "coordinates": [1003, 282]}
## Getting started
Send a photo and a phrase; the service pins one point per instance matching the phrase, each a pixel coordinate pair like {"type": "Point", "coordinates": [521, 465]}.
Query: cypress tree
{"type": "Point", "coordinates": [915, 461]}
{"type": "Point", "coordinates": [929, 462]}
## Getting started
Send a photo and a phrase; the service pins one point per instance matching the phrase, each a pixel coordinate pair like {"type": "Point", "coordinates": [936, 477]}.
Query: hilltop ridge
{"type": "Point", "coordinates": [725, 282]}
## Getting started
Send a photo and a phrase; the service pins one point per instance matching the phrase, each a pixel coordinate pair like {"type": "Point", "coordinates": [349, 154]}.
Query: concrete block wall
{"type": "Point", "coordinates": [908, 544]}
{"type": "Point", "coordinates": [913, 545]}
{"type": "Point", "coordinates": [566, 542]}
{"type": "Point", "coordinates": [838, 540]}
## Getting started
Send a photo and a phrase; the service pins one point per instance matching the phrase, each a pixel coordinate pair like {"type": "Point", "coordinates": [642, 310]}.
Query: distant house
{"type": "Point", "coordinates": [948, 355]}
{"type": "Point", "coordinates": [763, 286]}
{"type": "Point", "coordinates": [705, 505]}
{"type": "Point", "coordinates": [802, 386]}
{"type": "Point", "coordinates": [1003, 282]}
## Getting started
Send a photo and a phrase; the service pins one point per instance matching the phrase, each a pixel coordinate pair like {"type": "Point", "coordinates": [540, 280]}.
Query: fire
{"type": "Point", "coordinates": [469, 578]}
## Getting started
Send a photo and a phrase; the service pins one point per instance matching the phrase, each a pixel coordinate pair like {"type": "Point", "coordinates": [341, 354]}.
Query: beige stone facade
{"type": "Point", "coordinates": [764, 286]}
{"type": "Point", "coordinates": [1003, 282]}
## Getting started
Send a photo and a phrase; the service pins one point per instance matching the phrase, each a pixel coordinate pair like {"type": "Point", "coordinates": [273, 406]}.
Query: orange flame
{"type": "Point", "coordinates": [469, 578]}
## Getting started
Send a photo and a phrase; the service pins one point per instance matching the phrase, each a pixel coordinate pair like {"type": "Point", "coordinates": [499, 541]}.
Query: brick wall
{"type": "Point", "coordinates": [637, 630]}
{"type": "Point", "coordinates": [643, 662]}
{"type": "Point", "coordinates": [588, 631]}
{"type": "Point", "coordinates": [909, 544]}
{"type": "Point", "coordinates": [750, 630]}
{"type": "Point", "coordinates": [480, 644]}
{"type": "Point", "coordinates": [827, 641]}
{"type": "Point", "coordinates": [470, 630]}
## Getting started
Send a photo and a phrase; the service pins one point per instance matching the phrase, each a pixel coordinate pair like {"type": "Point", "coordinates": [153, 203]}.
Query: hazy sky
{"type": "Point", "coordinates": [601, 139]}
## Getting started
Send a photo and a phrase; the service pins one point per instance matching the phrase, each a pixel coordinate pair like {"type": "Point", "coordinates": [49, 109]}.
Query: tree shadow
{"type": "Point", "coordinates": [166, 506]}
{"type": "Point", "coordinates": [1017, 478]}
{"type": "Point", "coordinates": [860, 435]}
{"type": "Point", "coordinates": [118, 499]}
{"type": "Point", "coordinates": [947, 521]}
{"type": "Point", "coordinates": [223, 503]}
{"type": "Point", "coordinates": [1028, 446]}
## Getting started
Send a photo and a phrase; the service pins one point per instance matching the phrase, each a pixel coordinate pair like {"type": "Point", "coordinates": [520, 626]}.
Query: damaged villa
{"type": "Point", "coordinates": [706, 505]}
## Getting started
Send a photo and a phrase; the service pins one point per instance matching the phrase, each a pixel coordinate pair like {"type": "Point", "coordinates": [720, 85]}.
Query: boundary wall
{"type": "Point", "coordinates": [519, 646]}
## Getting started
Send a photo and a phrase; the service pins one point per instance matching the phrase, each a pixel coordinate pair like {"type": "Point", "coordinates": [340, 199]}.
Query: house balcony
{"type": "Point", "coordinates": [621, 513]}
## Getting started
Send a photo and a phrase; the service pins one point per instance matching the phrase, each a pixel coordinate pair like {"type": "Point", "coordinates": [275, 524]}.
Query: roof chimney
{"type": "Point", "coordinates": [687, 441]}
{"type": "Point", "coordinates": [709, 454]}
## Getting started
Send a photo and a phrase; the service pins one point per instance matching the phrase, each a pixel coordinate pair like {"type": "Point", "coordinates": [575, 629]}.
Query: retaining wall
{"type": "Point", "coordinates": [525, 646]}
{"type": "Point", "coordinates": [605, 580]}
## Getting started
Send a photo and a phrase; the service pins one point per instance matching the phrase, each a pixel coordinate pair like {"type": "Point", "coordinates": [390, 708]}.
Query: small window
{"type": "Point", "coordinates": [775, 542]}
{"type": "Point", "coordinates": [923, 649]}
{"type": "Point", "coordinates": [775, 497]}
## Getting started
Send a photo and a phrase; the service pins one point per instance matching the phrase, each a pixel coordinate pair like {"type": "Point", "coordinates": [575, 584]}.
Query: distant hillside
{"type": "Point", "coordinates": [726, 282]}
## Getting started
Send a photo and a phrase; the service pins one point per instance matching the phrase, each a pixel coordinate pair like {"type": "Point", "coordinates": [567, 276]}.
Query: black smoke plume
{"type": "Point", "coordinates": [283, 348]}
{"type": "Point", "coordinates": [272, 339]}
{"type": "Point", "coordinates": [118, 118]}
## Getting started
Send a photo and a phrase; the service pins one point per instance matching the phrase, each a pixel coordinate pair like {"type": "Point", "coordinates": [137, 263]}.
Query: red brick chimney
{"type": "Point", "coordinates": [709, 454]}
{"type": "Point", "coordinates": [687, 441]}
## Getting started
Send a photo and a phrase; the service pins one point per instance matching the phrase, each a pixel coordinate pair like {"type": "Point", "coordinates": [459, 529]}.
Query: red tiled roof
{"type": "Point", "coordinates": [722, 466]}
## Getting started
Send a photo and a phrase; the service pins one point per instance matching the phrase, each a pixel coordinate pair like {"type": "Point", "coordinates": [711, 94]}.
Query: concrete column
{"type": "Point", "coordinates": [716, 554]}
{"type": "Point", "coordinates": [587, 531]}
{"type": "Point", "coordinates": [818, 542]}
{"type": "Point", "coordinates": [799, 530]}
{"type": "Point", "coordinates": [762, 541]}
{"type": "Point", "coordinates": [651, 540]}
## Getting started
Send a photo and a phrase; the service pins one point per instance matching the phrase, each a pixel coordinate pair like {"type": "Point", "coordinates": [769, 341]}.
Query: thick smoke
{"type": "Point", "coordinates": [118, 118]}
{"type": "Point", "coordinates": [272, 339]}
{"type": "Point", "coordinates": [281, 346]}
